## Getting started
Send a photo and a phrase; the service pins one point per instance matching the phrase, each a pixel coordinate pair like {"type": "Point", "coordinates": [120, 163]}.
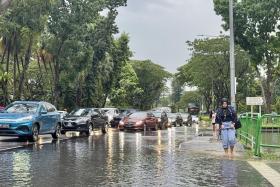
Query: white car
{"type": "Point", "coordinates": [62, 114]}
{"type": "Point", "coordinates": [195, 119]}
{"type": "Point", "coordinates": [111, 113]}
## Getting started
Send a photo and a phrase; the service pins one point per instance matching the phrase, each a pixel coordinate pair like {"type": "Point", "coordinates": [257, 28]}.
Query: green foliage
{"type": "Point", "coordinates": [62, 51]}
{"type": "Point", "coordinates": [189, 97]}
{"type": "Point", "coordinates": [208, 69]}
{"type": "Point", "coordinates": [152, 80]}
{"type": "Point", "coordinates": [127, 92]}
{"type": "Point", "coordinates": [257, 31]}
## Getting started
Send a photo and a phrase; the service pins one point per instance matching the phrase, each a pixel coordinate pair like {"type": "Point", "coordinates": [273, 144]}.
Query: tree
{"type": "Point", "coordinates": [257, 31]}
{"type": "Point", "coordinates": [152, 80]}
{"type": "Point", "coordinates": [208, 69]}
{"type": "Point", "coordinates": [189, 97]}
{"type": "Point", "coordinates": [127, 92]}
{"type": "Point", "coordinates": [177, 89]}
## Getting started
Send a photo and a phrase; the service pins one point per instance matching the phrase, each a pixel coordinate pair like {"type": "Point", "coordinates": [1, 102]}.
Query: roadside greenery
{"type": "Point", "coordinates": [66, 52]}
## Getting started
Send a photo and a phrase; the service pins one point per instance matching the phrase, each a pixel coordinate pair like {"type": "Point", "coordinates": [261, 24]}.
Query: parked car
{"type": "Point", "coordinates": [85, 120]}
{"type": "Point", "coordinates": [1, 108]}
{"type": "Point", "coordinates": [110, 113]}
{"type": "Point", "coordinates": [123, 113]}
{"type": "Point", "coordinates": [62, 114]}
{"type": "Point", "coordinates": [140, 121]}
{"type": "Point", "coordinates": [28, 120]}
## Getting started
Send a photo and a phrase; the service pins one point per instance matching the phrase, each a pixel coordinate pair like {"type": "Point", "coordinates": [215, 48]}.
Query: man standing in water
{"type": "Point", "coordinates": [226, 118]}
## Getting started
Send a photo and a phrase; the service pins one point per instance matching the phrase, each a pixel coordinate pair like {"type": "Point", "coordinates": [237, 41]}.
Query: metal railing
{"type": "Point", "coordinates": [260, 133]}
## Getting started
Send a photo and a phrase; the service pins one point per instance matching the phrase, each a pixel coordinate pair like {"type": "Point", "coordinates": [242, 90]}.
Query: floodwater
{"type": "Point", "coordinates": [122, 159]}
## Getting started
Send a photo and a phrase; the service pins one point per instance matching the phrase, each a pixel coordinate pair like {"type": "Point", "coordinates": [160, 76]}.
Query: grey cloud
{"type": "Point", "coordinates": [159, 28]}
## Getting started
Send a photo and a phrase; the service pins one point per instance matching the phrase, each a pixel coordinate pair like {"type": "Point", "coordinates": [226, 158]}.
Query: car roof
{"type": "Point", "coordinates": [33, 102]}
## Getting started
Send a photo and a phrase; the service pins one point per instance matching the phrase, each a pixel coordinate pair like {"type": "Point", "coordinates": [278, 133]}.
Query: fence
{"type": "Point", "coordinates": [260, 133]}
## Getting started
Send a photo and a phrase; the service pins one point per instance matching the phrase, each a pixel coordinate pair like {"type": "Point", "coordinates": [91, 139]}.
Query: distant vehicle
{"type": "Point", "coordinates": [85, 120]}
{"type": "Point", "coordinates": [123, 112]}
{"type": "Point", "coordinates": [195, 119]}
{"type": "Point", "coordinates": [162, 109]}
{"type": "Point", "coordinates": [193, 109]}
{"type": "Point", "coordinates": [163, 122]}
{"type": "Point", "coordinates": [111, 113]}
{"type": "Point", "coordinates": [28, 120]}
{"type": "Point", "coordinates": [62, 114]}
{"type": "Point", "coordinates": [175, 119]}
{"type": "Point", "coordinates": [140, 121]}
{"type": "Point", "coordinates": [185, 117]}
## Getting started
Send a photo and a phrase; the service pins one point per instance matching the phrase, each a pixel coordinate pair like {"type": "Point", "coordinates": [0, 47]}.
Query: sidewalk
{"type": "Point", "coordinates": [209, 145]}
{"type": "Point", "coordinates": [205, 143]}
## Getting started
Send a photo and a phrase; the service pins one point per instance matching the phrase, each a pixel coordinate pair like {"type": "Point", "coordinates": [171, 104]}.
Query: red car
{"type": "Point", "coordinates": [139, 121]}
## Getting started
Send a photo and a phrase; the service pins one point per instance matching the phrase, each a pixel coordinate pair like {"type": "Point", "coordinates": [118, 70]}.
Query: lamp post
{"type": "Point", "coordinates": [232, 61]}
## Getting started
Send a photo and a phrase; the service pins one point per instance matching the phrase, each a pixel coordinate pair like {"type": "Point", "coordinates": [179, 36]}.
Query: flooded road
{"type": "Point", "coordinates": [122, 159]}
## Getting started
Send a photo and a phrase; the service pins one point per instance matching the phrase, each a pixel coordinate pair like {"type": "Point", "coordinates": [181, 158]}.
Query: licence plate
{"type": "Point", "coordinates": [4, 126]}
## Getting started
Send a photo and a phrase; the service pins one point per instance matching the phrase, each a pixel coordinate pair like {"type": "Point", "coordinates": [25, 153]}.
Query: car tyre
{"type": "Point", "coordinates": [57, 132]}
{"type": "Point", "coordinates": [105, 129]}
{"type": "Point", "coordinates": [90, 129]}
{"type": "Point", "coordinates": [156, 127]}
{"type": "Point", "coordinates": [34, 134]}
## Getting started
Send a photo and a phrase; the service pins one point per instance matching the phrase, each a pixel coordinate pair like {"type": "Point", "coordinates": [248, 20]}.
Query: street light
{"type": "Point", "coordinates": [232, 63]}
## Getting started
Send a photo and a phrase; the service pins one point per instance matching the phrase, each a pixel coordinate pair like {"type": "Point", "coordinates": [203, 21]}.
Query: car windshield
{"type": "Point", "coordinates": [184, 115]}
{"type": "Point", "coordinates": [138, 115]}
{"type": "Point", "coordinates": [22, 108]}
{"type": "Point", "coordinates": [157, 114]}
{"type": "Point", "coordinates": [80, 112]}
{"type": "Point", "coordinates": [172, 115]}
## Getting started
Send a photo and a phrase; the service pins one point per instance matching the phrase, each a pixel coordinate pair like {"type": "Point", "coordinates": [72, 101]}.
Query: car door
{"type": "Point", "coordinates": [43, 119]}
{"type": "Point", "coordinates": [98, 119]}
{"type": "Point", "coordinates": [52, 118]}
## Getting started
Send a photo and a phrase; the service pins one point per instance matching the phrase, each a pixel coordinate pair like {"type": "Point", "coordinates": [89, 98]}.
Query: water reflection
{"type": "Point", "coordinates": [122, 159]}
{"type": "Point", "coordinates": [229, 173]}
{"type": "Point", "coordinates": [21, 169]}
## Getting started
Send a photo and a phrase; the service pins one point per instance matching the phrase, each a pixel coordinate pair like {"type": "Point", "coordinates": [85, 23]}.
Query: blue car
{"type": "Point", "coordinates": [28, 119]}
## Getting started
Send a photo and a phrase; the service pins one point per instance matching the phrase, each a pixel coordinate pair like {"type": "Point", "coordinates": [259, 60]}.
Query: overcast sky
{"type": "Point", "coordinates": [158, 29]}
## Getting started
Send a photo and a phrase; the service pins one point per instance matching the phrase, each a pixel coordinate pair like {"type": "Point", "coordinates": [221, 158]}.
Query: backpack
{"type": "Point", "coordinates": [238, 124]}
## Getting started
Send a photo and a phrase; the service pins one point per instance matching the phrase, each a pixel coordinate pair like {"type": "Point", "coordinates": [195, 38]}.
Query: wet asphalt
{"type": "Point", "coordinates": [120, 159]}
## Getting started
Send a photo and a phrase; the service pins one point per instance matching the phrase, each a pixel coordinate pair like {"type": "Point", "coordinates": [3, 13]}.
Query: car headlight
{"type": "Point", "coordinates": [121, 123]}
{"type": "Point", "coordinates": [139, 123]}
{"type": "Point", "coordinates": [159, 120]}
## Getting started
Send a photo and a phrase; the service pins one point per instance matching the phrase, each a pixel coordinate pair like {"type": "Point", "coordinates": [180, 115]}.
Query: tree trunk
{"type": "Point", "coordinates": [26, 63]}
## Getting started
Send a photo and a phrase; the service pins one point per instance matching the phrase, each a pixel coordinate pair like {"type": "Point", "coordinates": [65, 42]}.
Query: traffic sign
{"type": "Point", "coordinates": [254, 101]}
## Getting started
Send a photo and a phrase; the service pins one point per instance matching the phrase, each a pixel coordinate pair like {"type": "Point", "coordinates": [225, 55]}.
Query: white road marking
{"type": "Point", "coordinates": [270, 174]}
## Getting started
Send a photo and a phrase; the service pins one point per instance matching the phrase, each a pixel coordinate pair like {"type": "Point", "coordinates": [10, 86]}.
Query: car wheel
{"type": "Point", "coordinates": [34, 134]}
{"type": "Point", "coordinates": [90, 129]}
{"type": "Point", "coordinates": [156, 127]}
{"type": "Point", "coordinates": [105, 129]}
{"type": "Point", "coordinates": [57, 132]}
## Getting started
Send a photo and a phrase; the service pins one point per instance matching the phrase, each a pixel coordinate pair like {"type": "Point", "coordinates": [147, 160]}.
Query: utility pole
{"type": "Point", "coordinates": [232, 61]}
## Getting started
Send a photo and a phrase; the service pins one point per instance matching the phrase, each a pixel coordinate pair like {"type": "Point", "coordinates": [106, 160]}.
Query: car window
{"type": "Point", "coordinates": [138, 115]}
{"type": "Point", "coordinates": [81, 112]}
{"type": "Point", "coordinates": [95, 113]}
{"type": "Point", "coordinates": [22, 108]}
{"type": "Point", "coordinates": [43, 108]}
{"type": "Point", "coordinates": [49, 107]}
